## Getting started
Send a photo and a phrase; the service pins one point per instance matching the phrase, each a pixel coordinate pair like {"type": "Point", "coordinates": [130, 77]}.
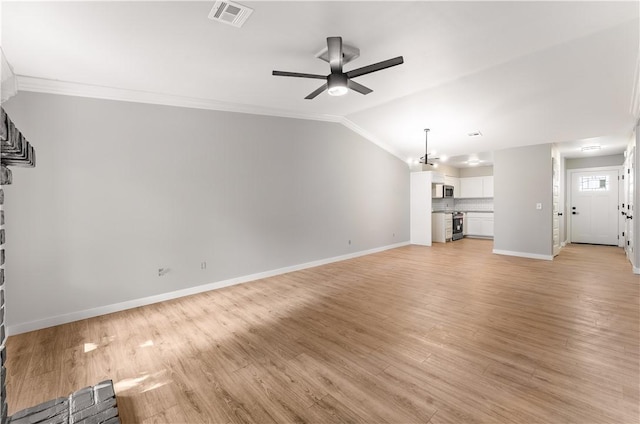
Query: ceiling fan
{"type": "Point", "coordinates": [338, 82]}
{"type": "Point", "coordinates": [425, 159]}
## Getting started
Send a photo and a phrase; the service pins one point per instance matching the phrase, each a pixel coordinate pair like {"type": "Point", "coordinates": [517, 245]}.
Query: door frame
{"type": "Point", "coordinates": [569, 190]}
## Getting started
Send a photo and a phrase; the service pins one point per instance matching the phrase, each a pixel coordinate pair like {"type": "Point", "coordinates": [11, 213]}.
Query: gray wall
{"type": "Point", "coordinates": [521, 178]}
{"type": "Point", "coordinates": [121, 189]}
{"type": "Point", "coordinates": [476, 171]}
{"type": "Point", "coordinates": [595, 161]}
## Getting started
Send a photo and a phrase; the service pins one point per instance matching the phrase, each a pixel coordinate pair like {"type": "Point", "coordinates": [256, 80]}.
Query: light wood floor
{"type": "Point", "coordinates": [450, 333]}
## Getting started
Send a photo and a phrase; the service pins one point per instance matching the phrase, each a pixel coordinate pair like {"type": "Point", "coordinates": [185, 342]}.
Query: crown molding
{"type": "Point", "coordinates": [66, 88]}
{"type": "Point", "coordinates": [373, 139]}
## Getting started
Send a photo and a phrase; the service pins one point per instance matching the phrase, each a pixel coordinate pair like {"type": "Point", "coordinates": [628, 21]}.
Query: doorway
{"type": "Point", "coordinates": [593, 206]}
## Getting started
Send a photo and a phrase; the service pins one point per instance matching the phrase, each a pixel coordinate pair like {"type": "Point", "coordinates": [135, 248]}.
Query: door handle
{"type": "Point", "coordinates": [559, 213]}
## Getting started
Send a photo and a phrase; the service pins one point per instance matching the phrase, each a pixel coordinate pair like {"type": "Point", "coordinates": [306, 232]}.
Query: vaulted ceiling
{"type": "Point", "coordinates": [519, 72]}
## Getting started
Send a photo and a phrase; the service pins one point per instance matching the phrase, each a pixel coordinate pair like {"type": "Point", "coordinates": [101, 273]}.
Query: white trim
{"type": "Point", "coordinates": [65, 88]}
{"type": "Point", "coordinates": [134, 303]}
{"type": "Point", "coordinates": [636, 270]}
{"type": "Point", "coordinates": [523, 254]}
{"type": "Point", "coordinates": [364, 133]}
{"type": "Point", "coordinates": [634, 106]}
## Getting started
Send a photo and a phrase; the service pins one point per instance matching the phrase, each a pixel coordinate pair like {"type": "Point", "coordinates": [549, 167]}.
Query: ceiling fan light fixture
{"type": "Point", "coordinates": [338, 90]}
{"type": "Point", "coordinates": [337, 84]}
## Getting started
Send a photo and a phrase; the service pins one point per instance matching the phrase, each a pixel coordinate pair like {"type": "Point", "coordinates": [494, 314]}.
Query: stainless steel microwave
{"type": "Point", "coordinates": [441, 190]}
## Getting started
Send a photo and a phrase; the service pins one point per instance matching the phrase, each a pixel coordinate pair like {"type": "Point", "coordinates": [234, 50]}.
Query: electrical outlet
{"type": "Point", "coordinates": [162, 271]}
{"type": "Point", "coordinates": [349, 241]}
{"type": "Point", "coordinates": [203, 265]}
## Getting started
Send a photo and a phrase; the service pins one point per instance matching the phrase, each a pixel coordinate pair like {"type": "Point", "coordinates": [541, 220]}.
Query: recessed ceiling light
{"type": "Point", "coordinates": [473, 162]}
{"type": "Point", "coordinates": [590, 148]}
{"type": "Point", "coordinates": [444, 158]}
{"type": "Point", "coordinates": [475, 134]}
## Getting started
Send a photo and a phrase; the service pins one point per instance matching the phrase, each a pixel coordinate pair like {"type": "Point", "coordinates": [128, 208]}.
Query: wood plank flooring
{"type": "Point", "coordinates": [446, 334]}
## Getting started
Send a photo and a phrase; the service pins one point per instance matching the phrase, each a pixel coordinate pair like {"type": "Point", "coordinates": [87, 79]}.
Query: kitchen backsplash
{"type": "Point", "coordinates": [463, 205]}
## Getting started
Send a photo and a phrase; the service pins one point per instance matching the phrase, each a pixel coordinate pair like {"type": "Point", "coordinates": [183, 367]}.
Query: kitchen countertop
{"type": "Point", "coordinates": [462, 211]}
{"type": "Point", "coordinates": [477, 211]}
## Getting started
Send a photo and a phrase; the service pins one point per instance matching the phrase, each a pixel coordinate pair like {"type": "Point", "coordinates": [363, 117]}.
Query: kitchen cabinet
{"type": "Point", "coordinates": [471, 187]}
{"type": "Point", "coordinates": [465, 227]}
{"type": "Point", "coordinates": [441, 227]}
{"type": "Point", "coordinates": [479, 224]}
{"type": "Point", "coordinates": [487, 186]}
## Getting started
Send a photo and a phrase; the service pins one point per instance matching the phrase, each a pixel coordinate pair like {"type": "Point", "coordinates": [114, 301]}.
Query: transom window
{"type": "Point", "coordinates": [594, 183]}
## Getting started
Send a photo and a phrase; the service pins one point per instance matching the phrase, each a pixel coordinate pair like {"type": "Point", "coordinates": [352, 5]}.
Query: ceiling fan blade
{"type": "Point", "coordinates": [334, 51]}
{"type": "Point", "coordinates": [298, 74]}
{"type": "Point", "coordinates": [358, 87]}
{"type": "Point", "coordinates": [375, 67]}
{"type": "Point", "coordinates": [315, 93]}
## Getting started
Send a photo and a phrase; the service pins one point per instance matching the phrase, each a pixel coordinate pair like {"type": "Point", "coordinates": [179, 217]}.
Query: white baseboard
{"type": "Point", "coordinates": [134, 303]}
{"type": "Point", "coordinates": [636, 270]}
{"type": "Point", "coordinates": [523, 254]}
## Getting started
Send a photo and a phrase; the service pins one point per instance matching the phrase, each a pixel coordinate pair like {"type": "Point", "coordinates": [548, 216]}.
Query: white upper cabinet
{"type": "Point", "coordinates": [487, 186]}
{"type": "Point", "coordinates": [476, 187]}
{"type": "Point", "coordinates": [471, 187]}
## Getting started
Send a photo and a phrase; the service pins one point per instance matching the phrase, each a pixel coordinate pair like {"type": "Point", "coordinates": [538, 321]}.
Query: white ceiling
{"type": "Point", "coordinates": [520, 72]}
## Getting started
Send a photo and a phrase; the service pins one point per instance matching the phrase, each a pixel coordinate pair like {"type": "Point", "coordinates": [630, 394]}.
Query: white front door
{"type": "Point", "coordinates": [594, 207]}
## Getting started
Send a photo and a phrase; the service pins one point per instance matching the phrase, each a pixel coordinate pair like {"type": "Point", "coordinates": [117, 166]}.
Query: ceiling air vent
{"type": "Point", "coordinates": [230, 13]}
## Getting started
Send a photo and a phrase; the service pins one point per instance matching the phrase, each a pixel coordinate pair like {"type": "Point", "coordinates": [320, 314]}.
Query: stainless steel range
{"type": "Point", "coordinates": [458, 233]}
